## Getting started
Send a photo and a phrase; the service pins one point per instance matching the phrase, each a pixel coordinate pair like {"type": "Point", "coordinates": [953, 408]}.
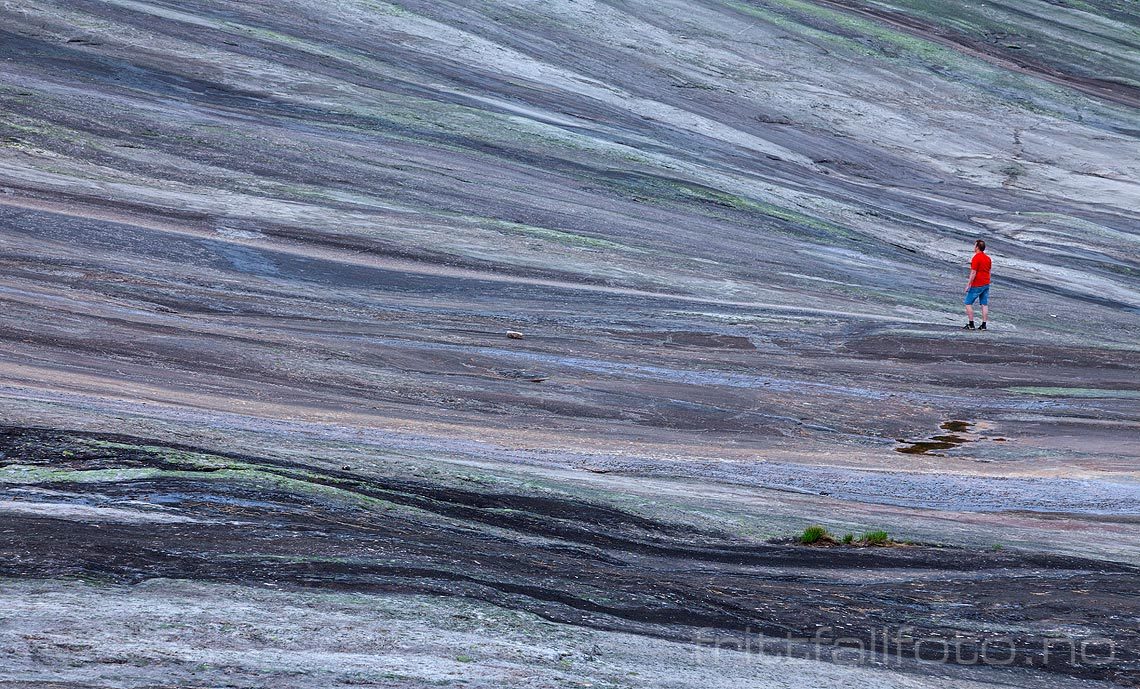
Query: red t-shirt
{"type": "Point", "coordinates": [980, 263]}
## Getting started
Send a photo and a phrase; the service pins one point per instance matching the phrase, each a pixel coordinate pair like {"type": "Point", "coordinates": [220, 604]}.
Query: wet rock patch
{"type": "Point", "coordinates": [942, 441]}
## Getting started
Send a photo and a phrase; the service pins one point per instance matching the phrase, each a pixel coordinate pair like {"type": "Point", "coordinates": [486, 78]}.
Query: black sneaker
{"type": "Point", "coordinates": [982, 326]}
{"type": "Point", "coordinates": [968, 326]}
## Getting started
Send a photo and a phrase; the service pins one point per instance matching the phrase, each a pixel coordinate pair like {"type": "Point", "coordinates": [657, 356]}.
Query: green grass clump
{"type": "Point", "coordinates": [818, 535]}
{"type": "Point", "coordinates": [814, 534]}
{"type": "Point", "coordinates": [876, 538]}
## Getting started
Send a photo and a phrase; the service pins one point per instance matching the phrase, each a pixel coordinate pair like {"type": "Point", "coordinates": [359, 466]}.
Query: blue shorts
{"type": "Point", "coordinates": [979, 294]}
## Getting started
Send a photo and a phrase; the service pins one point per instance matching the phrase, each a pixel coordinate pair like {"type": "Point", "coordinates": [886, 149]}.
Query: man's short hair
{"type": "Point", "coordinates": [980, 245]}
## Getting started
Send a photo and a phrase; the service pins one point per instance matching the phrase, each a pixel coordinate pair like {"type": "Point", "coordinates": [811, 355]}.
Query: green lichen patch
{"type": "Point", "coordinates": [1047, 391]}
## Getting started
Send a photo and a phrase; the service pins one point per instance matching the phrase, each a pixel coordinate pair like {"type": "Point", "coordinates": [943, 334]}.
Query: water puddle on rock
{"type": "Point", "coordinates": [943, 441]}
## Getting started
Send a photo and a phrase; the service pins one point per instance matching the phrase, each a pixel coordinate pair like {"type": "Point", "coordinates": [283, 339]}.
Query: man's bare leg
{"type": "Point", "coordinates": [985, 313]}
{"type": "Point", "coordinates": [970, 311]}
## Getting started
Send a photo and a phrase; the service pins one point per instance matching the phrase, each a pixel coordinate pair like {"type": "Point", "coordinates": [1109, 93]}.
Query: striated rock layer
{"type": "Point", "coordinates": [274, 249]}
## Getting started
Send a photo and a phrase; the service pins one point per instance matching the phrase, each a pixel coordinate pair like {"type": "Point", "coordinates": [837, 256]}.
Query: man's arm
{"type": "Point", "coordinates": [973, 274]}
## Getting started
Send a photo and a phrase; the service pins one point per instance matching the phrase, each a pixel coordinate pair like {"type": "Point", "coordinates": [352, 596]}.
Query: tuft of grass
{"type": "Point", "coordinates": [818, 535]}
{"type": "Point", "coordinates": [1013, 170]}
{"type": "Point", "coordinates": [464, 658]}
{"type": "Point", "coordinates": [814, 534]}
{"type": "Point", "coordinates": [876, 538]}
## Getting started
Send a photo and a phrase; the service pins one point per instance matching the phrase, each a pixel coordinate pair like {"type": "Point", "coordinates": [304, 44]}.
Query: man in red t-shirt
{"type": "Point", "coordinates": [978, 289]}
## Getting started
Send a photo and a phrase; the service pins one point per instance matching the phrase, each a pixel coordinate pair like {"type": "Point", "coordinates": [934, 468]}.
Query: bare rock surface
{"type": "Point", "coordinates": [246, 245]}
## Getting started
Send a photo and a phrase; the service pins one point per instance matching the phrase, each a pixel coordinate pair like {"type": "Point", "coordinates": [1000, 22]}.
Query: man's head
{"type": "Point", "coordinates": [980, 245]}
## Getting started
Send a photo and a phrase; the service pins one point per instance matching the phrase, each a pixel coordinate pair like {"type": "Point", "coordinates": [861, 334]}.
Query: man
{"type": "Point", "coordinates": [978, 288]}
